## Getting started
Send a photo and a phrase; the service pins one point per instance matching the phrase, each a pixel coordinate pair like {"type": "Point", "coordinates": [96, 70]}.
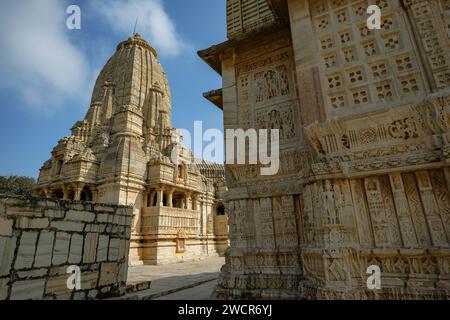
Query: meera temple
{"type": "Point", "coordinates": [121, 154]}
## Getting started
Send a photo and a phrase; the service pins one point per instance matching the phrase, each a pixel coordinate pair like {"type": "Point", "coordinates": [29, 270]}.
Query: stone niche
{"type": "Point", "coordinates": [41, 238]}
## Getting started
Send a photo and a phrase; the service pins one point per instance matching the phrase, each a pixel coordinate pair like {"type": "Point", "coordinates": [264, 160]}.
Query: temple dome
{"type": "Point", "coordinates": [130, 76]}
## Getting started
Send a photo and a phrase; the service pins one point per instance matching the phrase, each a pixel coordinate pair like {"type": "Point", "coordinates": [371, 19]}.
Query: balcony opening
{"type": "Point", "coordinates": [86, 194]}
{"type": "Point", "coordinates": [221, 210]}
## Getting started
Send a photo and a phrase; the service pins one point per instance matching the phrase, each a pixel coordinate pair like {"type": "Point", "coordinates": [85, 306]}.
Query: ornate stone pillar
{"type": "Point", "coordinates": [159, 199]}
{"type": "Point", "coordinates": [94, 192]}
{"type": "Point", "coordinates": [305, 51]}
{"type": "Point", "coordinates": [194, 202]}
{"type": "Point", "coordinates": [144, 198]}
{"type": "Point", "coordinates": [152, 199]}
{"type": "Point", "coordinates": [206, 209]}
{"type": "Point", "coordinates": [189, 201]}
{"type": "Point", "coordinates": [169, 198]}
{"type": "Point", "coordinates": [186, 201]}
{"type": "Point", "coordinates": [66, 191]}
{"type": "Point", "coordinates": [78, 188]}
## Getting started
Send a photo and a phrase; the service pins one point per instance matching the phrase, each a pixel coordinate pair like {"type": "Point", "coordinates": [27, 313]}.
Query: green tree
{"type": "Point", "coordinates": [16, 185]}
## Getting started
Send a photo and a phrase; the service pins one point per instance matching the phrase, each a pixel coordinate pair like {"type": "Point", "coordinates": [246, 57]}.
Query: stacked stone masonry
{"type": "Point", "coordinates": [41, 238]}
{"type": "Point", "coordinates": [364, 178]}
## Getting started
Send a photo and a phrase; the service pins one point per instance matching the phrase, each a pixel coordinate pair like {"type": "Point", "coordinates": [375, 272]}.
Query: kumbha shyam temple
{"type": "Point", "coordinates": [122, 152]}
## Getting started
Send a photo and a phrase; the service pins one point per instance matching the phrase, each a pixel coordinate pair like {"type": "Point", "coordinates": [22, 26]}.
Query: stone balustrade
{"type": "Point", "coordinates": [169, 220]}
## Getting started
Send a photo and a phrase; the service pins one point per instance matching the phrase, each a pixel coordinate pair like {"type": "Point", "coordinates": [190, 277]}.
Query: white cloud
{"type": "Point", "coordinates": [43, 70]}
{"type": "Point", "coordinates": [37, 59]}
{"type": "Point", "coordinates": [153, 22]}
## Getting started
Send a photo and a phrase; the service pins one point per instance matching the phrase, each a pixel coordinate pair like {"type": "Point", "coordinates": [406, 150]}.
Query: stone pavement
{"type": "Point", "coordinates": [201, 292]}
{"type": "Point", "coordinates": [184, 280]}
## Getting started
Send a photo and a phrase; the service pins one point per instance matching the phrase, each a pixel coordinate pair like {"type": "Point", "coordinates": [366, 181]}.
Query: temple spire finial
{"type": "Point", "coordinates": [135, 25]}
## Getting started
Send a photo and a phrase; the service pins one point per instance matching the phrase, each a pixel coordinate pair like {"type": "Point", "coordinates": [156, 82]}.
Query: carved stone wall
{"type": "Point", "coordinates": [399, 222]}
{"type": "Point", "coordinates": [365, 70]}
{"type": "Point", "coordinates": [376, 191]}
{"type": "Point", "coordinates": [364, 163]}
{"type": "Point", "coordinates": [263, 210]}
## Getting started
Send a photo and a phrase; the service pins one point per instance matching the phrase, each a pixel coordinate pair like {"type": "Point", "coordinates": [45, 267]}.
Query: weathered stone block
{"type": "Point", "coordinates": [95, 228]}
{"type": "Point", "coordinates": [12, 201]}
{"type": "Point", "coordinates": [89, 280]}
{"type": "Point", "coordinates": [103, 208]}
{"type": "Point", "coordinates": [4, 288]}
{"type": "Point", "coordinates": [108, 273]}
{"type": "Point", "coordinates": [93, 267]}
{"type": "Point", "coordinates": [80, 216]}
{"type": "Point", "coordinates": [92, 294]}
{"type": "Point", "coordinates": [102, 252]}
{"type": "Point", "coordinates": [123, 273]}
{"type": "Point", "coordinates": [124, 211]}
{"type": "Point", "coordinates": [113, 254]}
{"type": "Point", "coordinates": [55, 213]}
{"type": "Point", "coordinates": [32, 223]}
{"type": "Point", "coordinates": [127, 233]}
{"type": "Point", "coordinates": [36, 273]}
{"type": "Point", "coordinates": [77, 206]}
{"type": "Point", "coordinates": [28, 289]}
{"type": "Point", "coordinates": [76, 248]}
{"type": "Point", "coordinates": [123, 248]}
{"type": "Point", "coordinates": [118, 219]}
{"type": "Point", "coordinates": [57, 271]}
{"type": "Point", "coordinates": [58, 285]}
{"type": "Point", "coordinates": [2, 209]}
{"type": "Point", "coordinates": [79, 295]}
{"type": "Point", "coordinates": [7, 248]}
{"type": "Point", "coordinates": [61, 250]}
{"type": "Point", "coordinates": [103, 217]}
{"type": "Point", "coordinates": [27, 248]}
{"type": "Point", "coordinates": [90, 247]}
{"type": "Point", "coordinates": [24, 210]}
{"type": "Point", "coordinates": [68, 226]}
{"type": "Point", "coordinates": [44, 249]}
{"type": "Point", "coordinates": [6, 226]}
{"type": "Point", "coordinates": [47, 203]}
{"type": "Point", "coordinates": [105, 289]}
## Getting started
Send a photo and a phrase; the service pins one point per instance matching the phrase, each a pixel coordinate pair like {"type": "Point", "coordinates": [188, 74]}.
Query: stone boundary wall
{"type": "Point", "coordinates": [41, 238]}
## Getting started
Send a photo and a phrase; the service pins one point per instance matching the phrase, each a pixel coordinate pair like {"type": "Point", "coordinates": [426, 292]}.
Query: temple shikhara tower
{"type": "Point", "coordinates": [123, 153]}
{"type": "Point", "coordinates": [364, 124]}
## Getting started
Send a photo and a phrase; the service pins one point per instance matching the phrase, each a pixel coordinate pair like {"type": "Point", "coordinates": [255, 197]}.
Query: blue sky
{"type": "Point", "coordinates": [47, 72]}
